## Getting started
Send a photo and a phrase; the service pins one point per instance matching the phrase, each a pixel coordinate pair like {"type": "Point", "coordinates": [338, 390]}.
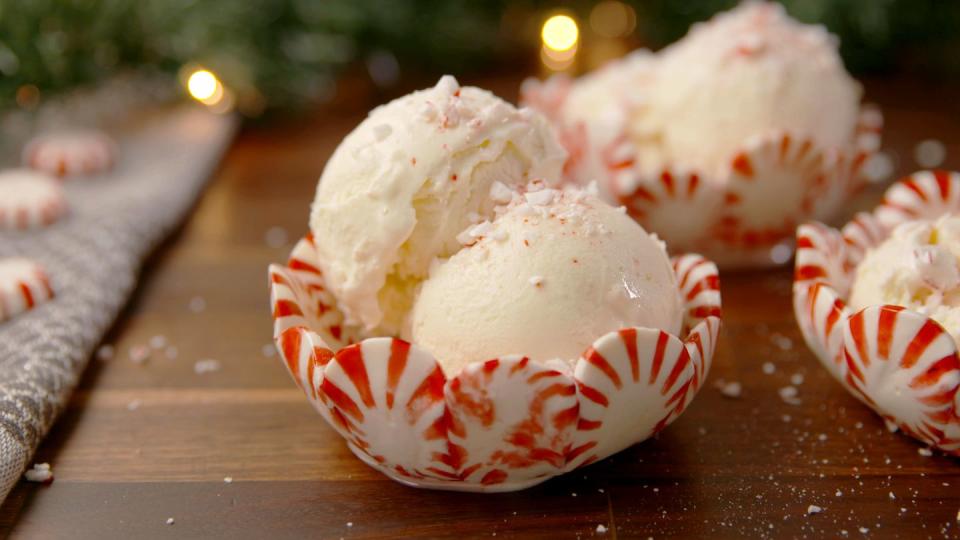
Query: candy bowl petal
{"type": "Point", "coordinates": [922, 194]}
{"type": "Point", "coordinates": [658, 204]}
{"type": "Point", "coordinates": [898, 362]}
{"type": "Point", "coordinates": [770, 187]}
{"type": "Point", "coordinates": [502, 424]}
{"type": "Point", "coordinates": [904, 366]}
{"type": "Point", "coordinates": [510, 420]}
{"type": "Point", "coordinates": [386, 400]}
{"type": "Point", "coordinates": [630, 383]}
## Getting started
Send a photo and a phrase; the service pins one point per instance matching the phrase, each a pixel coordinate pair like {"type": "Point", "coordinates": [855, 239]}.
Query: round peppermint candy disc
{"type": "Point", "coordinates": [70, 153]}
{"type": "Point", "coordinates": [23, 285]}
{"type": "Point", "coordinates": [29, 199]}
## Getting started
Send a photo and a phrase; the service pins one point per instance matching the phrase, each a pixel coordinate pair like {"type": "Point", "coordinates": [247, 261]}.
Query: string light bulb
{"type": "Point", "coordinates": [612, 18]}
{"type": "Point", "coordinates": [205, 87]}
{"type": "Point", "coordinates": [560, 33]}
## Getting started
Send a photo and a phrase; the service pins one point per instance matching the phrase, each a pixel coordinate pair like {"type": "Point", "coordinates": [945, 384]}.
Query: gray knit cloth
{"type": "Point", "coordinates": [93, 257]}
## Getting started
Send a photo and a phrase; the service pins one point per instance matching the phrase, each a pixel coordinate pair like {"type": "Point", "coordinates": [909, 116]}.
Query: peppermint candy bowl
{"type": "Point", "coordinates": [741, 217]}
{"type": "Point", "coordinates": [898, 362]}
{"type": "Point", "coordinates": [498, 425]}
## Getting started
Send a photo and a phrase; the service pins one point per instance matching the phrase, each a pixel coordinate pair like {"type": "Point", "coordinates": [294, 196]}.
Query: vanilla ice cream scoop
{"type": "Point", "coordinates": [742, 74]}
{"type": "Point", "coordinates": [554, 271]}
{"type": "Point", "coordinates": [917, 267]}
{"type": "Point", "coordinates": [402, 186]}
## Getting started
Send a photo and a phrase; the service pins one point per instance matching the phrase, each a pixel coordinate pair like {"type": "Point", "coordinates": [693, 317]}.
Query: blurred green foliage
{"type": "Point", "coordinates": [290, 51]}
{"type": "Point", "coordinates": [918, 37]}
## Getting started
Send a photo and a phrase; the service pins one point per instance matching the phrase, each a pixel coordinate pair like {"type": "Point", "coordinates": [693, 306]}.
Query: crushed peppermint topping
{"type": "Point", "coordinates": [813, 509]}
{"type": "Point", "coordinates": [105, 352]}
{"type": "Point", "coordinates": [731, 389]}
{"type": "Point", "coordinates": [139, 354]}
{"type": "Point", "coordinates": [789, 395]}
{"type": "Point", "coordinates": [448, 85]}
{"type": "Point", "coordinates": [500, 193]}
{"type": "Point", "coordinates": [472, 234]}
{"type": "Point", "coordinates": [540, 198]}
{"type": "Point", "coordinates": [207, 365]}
{"type": "Point", "coordinates": [40, 472]}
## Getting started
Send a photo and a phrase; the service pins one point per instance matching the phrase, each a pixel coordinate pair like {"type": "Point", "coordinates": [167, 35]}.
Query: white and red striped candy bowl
{"type": "Point", "coordinates": [499, 425]}
{"type": "Point", "coordinates": [743, 217]}
{"type": "Point", "coordinates": [900, 363]}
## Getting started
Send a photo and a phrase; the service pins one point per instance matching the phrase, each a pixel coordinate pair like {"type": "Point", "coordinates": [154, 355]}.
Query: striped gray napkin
{"type": "Point", "coordinates": [93, 257]}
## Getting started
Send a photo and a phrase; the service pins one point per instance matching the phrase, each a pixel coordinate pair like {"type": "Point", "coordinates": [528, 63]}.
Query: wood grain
{"type": "Point", "coordinates": [728, 468]}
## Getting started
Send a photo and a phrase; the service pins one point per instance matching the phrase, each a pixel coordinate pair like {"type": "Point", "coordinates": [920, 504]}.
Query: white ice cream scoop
{"type": "Point", "coordinates": [407, 181]}
{"type": "Point", "coordinates": [555, 270]}
{"type": "Point", "coordinates": [917, 267]}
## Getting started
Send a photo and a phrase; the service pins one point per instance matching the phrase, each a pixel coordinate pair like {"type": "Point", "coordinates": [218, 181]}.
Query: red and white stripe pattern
{"type": "Point", "coordinates": [900, 363]}
{"type": "Point", "coordinates": [510, 414]}
{"type": "Point", "coordinates": [23, 285]}
{"type": "Point", "coordinates": [699, 282]}
{"type": "Point", "coordinates": [905, 367]}
{"type": "Point", "coordinates": [631, 383]}
{"type": "Point", "coordinates": [863, 232]}
{"type": "Point", "coordinates": [770, 189]}
{"type": "Point", "coordinates": [656, 203]}
{"type": "Point", "coordinates": [386, 398]}
{"type": "Point", "coordinates": [29, 199]}
{"type": "Point", "coordinates": [925, 194]}
{"type": "Point", "coordinates": [499, 425]}
{"type": "Point", "coordinates": [817, 305]}
{"type": "Point", "coordinates": [71, 153]}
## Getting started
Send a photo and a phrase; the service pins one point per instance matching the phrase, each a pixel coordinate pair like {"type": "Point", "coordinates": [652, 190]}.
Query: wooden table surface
{"type": "Point", "coordinates": [139, 444]}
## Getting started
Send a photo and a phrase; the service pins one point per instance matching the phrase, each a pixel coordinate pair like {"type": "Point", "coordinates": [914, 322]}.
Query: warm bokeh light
{"type": "Point", "coordinates": [560, 33]}
{"type": "Point", "coordinates": [204, 87]}
{"type": "Point", "coordinates": [557, 60]}
{"type": "Point", "coordinates": [28, 96]}
{"type": "Point", "coordinates": [612, 18]}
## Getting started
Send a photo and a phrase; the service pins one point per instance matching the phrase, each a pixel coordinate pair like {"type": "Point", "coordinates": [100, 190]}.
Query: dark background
{"type": "Point", "coordinates": [284, 54]}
